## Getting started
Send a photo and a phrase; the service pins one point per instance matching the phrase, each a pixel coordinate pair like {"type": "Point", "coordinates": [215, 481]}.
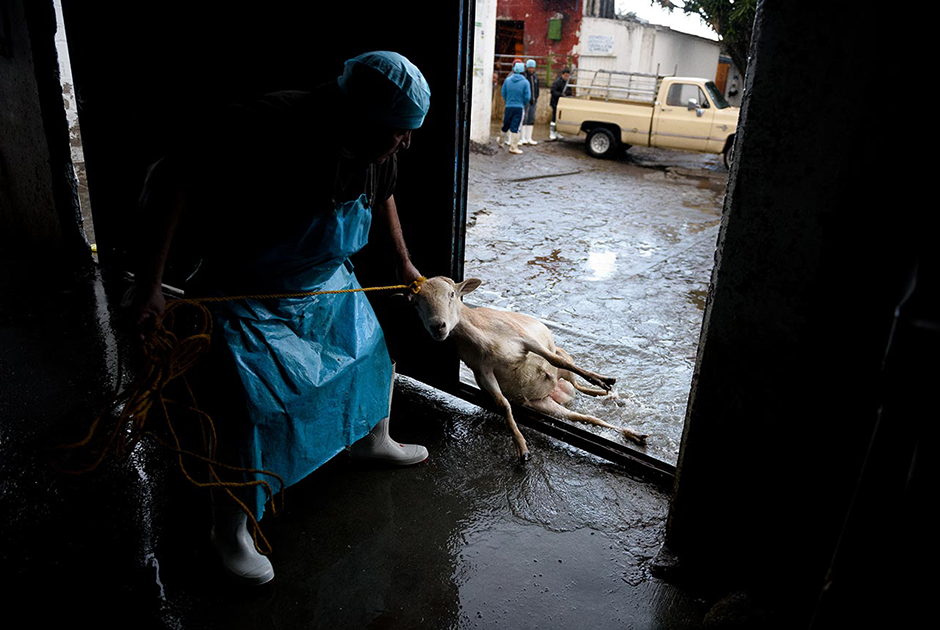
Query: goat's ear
{"type": "Point", "coordinates": [400, 297]}
{"type": "Point", "coordinates": [468, 285]}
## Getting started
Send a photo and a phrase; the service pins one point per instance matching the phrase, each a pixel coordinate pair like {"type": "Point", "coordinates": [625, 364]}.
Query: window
{"type": "Point", "coordinates": [717, 98]}
{"type": "Point", "coordinates": [681, 93]}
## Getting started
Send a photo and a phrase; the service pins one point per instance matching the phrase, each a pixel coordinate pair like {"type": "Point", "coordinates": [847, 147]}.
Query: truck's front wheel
{"type": "Point", "coordinates": [601, 143]}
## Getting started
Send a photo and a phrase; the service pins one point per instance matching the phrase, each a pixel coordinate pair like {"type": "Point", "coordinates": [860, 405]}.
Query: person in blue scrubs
{"type": "Point", "coordinates": [516, 93]}
{"type": "Point", "coordinates": [528, 120]}
{"type": "Point", "coordinates": [278, 193]}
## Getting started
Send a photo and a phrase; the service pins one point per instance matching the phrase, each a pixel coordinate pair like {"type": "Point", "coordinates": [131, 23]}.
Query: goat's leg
{"type": "Point", "coordinates": [590, 391]}
{"type": "Point", "coordinates": [566, 387]}
{"type": "Point", "coordinates": [561, 362]}
{"type": "Point", "coordinates": [487, 381]}
{"type": "Point", "coordinates": [552, 408]}
{"type": "Point", "coordinates": [569, 379]}
{"type": "Point", "coordinates": [568, 376]}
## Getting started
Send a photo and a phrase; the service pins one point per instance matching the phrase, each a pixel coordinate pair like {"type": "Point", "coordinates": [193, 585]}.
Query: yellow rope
{"type": "Point", "coordinates": [414, 287]}
{"type": "Point", "coordinates": [167, 357]}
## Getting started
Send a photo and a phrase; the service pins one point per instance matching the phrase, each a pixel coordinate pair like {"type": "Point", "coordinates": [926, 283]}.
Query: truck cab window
{"type": "Point", "coordinates": [717, 98]}
{"type": "Point", "coordinates": [680, 94]}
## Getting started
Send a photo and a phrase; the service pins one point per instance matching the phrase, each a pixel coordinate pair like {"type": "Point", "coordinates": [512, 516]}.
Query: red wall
{"type": "Point", "coordinates": [535, 14]}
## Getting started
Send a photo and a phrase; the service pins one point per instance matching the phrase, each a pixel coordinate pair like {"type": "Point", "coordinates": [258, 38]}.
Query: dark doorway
{"type": "Point", "coordinates": [510, 44]}
{"type": "Point", "coordinates": [126, 124]}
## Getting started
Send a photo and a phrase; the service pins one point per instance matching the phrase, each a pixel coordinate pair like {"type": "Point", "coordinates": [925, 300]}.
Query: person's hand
{"type": "Point", "coordinates": [144, 306]}
{"type": "Point", "coordinates": [408, 273]}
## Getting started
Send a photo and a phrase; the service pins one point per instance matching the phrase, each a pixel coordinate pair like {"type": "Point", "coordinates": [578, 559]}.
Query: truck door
{"type": "Point", "coordinates": [683, 120]}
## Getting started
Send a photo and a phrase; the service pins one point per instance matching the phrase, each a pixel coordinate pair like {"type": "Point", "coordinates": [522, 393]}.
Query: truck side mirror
{"type": "Point", "coordinates": [692, 104]}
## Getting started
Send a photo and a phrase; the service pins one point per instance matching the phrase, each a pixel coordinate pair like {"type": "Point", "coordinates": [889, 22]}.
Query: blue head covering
{"type": "Point", "coordinates": [530, 63]}
{"type": "Point", "coordinates": [387, 87]}
{"type": "Point", "coordinates": [518, 67]}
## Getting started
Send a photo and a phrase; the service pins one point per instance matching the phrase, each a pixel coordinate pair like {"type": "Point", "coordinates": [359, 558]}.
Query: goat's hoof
{"type": "Point", "coordinates": [635, 437]}
{"type": "Point", "coordinates": [524, 457]}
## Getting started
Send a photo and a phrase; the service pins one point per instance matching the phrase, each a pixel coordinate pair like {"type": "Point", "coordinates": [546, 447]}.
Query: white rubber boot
{"type": "Point", "coordinates": [528, 135]}
{"type": "Point", "coordinates": [377, 446]}
{"type": "Point", "coordinates": [523, 139]}
{"type": "Point", "coordinates": [235, 547]}
{"type": "Point", "coordinates": [551, 132]}
{"type": "Point", "coordinates": [514, 144]}
{"type": "Point", "coordinates": [499, 139]}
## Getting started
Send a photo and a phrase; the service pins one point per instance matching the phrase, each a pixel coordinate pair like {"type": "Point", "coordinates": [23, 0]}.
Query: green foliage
{"type": "Point", "coordinates": [732, 20]}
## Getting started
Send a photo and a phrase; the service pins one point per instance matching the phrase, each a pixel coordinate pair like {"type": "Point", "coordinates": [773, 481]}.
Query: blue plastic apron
{"type": "Point", "coordinates": [315, 371]}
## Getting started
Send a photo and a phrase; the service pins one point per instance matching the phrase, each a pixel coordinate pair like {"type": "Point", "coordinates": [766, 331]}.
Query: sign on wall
{"type": "Point", "coordinates": [598, 45]}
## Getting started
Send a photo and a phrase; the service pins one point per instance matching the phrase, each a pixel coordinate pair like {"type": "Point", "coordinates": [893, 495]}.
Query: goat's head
{"type": "Point", "coordinates": [438, 304]}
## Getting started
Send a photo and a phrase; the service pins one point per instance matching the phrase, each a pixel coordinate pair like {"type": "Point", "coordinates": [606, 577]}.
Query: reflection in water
{"type": "Point", "coordinates": [697, 297]}
{"type": "Point", "coordinates": [645, 249]}
{"type": "Point", "coordinates": [554, 264]}
{"type": "Point", "coordinates": [602, 264]}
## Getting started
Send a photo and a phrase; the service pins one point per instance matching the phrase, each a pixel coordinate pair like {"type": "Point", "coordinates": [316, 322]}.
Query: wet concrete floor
{"type": "Point", "coordinates": [615, 256]}
{"type": "Point", "coordinates": [470, 539]}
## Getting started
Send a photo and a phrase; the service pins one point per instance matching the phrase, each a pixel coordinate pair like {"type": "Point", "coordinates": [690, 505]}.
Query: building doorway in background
{"type": "Point", "coordinates": [510, 44]}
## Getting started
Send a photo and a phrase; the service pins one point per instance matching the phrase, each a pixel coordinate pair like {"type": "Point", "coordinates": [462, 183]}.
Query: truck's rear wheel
{"type": "Point", "coordinates": [601, 143]}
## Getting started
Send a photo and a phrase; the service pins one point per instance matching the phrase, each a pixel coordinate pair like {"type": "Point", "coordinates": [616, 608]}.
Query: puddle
{"type": "Point", "coordinates": [697, 297]}
{"type": "Point", "coordinates": [602, 264]}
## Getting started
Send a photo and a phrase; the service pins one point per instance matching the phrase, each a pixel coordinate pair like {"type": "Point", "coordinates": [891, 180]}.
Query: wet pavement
{"type": "Point", "coordinates": [470, 539]}
{"type": "Point", "coordinates": [614, 256]}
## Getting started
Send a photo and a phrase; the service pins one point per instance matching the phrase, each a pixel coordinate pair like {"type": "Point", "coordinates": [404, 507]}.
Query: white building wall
{"type": "Point", "coordinates": [65, 67]}
{"type": "Point", "coordinates": [636, 47]}
{"type": "Point", "coordinates": [484, 51]}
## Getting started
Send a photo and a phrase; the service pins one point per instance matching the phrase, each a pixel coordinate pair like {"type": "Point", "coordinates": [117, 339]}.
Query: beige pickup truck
{"type": "Point", "coordinates": [619, 109]}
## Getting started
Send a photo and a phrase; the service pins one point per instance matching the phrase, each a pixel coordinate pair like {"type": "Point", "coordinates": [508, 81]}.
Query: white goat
{"type": "Point", "coordinates": [513, 356]}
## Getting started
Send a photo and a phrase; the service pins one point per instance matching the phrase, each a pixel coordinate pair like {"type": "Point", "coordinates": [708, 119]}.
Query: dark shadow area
{"type": "Point", "coordinates": [151, 80]}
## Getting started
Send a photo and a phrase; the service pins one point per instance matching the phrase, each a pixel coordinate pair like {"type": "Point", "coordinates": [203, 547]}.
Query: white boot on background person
{"type": "Point", "coordinates": [528, 135]}
{"type": "Point", "coordinates": [514, 144]}
{"type": "Point", "coordinates": [552, 134]}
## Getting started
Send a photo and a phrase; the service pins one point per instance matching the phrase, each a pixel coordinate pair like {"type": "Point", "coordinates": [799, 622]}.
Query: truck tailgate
{"type": "Point", "coordinates": [634, 119]}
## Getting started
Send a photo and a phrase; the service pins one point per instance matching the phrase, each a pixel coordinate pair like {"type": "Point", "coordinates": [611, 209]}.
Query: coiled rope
{"type": "Point", "coordinates": [167, 353]}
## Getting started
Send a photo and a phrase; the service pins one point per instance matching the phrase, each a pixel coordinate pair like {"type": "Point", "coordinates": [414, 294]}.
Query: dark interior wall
{"type": "Point", "coordinates": [142, 69]}
{"type": "Point", "coordinates": [39, 215]}
{"type": "Point", "coordinates": [816, 249]}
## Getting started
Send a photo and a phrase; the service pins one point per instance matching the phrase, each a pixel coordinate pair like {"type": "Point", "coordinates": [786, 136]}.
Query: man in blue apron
{"type": "Point", "coordinates": [282, 191]}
